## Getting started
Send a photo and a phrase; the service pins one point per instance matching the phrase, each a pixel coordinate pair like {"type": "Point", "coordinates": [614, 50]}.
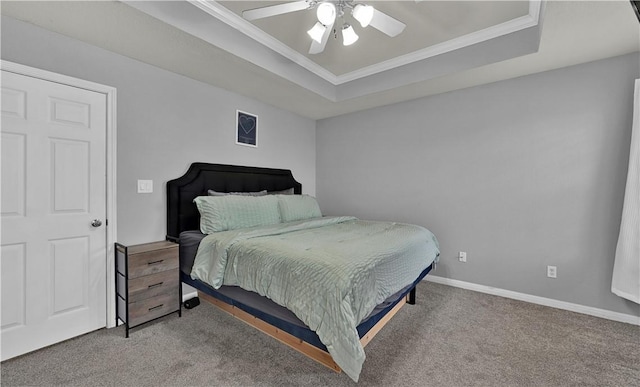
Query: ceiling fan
{"type": "Point", "coordinates": [327, 12]}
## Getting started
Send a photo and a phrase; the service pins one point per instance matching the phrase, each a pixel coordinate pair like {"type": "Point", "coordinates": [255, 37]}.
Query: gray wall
{"type": "Point", "coordinates": [520, 174]}
{"type": "Point", "coordinates": [165, 122]}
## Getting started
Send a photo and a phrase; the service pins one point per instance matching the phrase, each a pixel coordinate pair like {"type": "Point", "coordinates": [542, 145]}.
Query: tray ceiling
{"type": "Point", "coordinates": [428, 23]}
{"type": "Point", "coordinates": [496, 31]}
{"type": "Point", "coordinates": [446, 46]}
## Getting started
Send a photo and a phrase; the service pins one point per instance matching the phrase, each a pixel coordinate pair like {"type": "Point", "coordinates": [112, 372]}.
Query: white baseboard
{"type": "Point", "coordinates": [591, 311]}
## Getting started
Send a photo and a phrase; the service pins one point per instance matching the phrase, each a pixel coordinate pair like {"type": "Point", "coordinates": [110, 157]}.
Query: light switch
{"type": "Point", "coordinates": [145, 186]}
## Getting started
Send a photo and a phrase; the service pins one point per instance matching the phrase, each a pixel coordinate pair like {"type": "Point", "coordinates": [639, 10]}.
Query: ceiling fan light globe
{"type": "Point", "coordinates": [317, 31]}
{"type": "Point", "coordinates": [363, 14]}
{"type": "Point", "coordinates": [349, 36]}
{"type": "Point", "coordinates": [326, 13]}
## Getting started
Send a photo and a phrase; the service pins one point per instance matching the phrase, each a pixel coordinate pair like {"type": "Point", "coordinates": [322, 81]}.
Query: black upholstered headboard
{"type": "Point", "coordinates": [182, 214]}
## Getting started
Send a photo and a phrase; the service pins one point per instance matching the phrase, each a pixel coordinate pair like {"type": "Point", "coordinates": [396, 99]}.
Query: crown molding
{"type": "Point", "coordinates": [508, 27]}
{"type": "Point", "coordinates": [221, 13]}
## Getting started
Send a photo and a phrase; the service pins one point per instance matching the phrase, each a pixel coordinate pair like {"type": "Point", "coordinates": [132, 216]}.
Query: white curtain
{"type": "Point", "coordinates": [626, 269]}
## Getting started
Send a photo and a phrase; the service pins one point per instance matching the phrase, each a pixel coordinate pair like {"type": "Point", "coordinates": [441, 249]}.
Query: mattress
{"type": "Point", "coordinates": [189, 241]}
{"type": "Point", "coordinates": [329, 271]}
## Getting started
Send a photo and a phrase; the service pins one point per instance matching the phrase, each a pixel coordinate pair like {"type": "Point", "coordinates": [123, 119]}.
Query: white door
{"type": "Point", "coordinates": [53, 260]}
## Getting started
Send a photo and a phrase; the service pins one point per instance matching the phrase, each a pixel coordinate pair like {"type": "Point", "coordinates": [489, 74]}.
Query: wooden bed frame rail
{"type": "Point", "coordinates": [297, 344]}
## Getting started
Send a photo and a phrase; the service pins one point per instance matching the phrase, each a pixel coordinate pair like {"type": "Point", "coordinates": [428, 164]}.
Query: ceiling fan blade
{"type": "Point", "coordinates": [316, 47]}
{"type": "Point", "coordinates": [386, 24]}
{"type": "Point", "coordinates": [273, 10]}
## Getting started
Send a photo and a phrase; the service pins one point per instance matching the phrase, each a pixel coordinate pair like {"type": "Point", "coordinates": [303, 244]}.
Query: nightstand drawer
{"type": "Point", "coordinates": [152, 285]}
{"type": "Point", "coordinates": [145, 310]}
{"type": "Point", "coordinates": [152, 262]}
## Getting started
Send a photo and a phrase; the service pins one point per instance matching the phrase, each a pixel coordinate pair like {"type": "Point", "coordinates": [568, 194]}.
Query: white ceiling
{"type": "Point", "coordinates": [446, 46]}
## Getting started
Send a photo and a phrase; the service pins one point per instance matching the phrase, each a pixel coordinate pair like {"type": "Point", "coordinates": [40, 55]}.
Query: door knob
{"type": "Point", "coordinates": [96, 223]}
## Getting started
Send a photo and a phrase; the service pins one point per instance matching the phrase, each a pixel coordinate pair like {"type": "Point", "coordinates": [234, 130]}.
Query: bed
{"type": "Point", "coordinates": [183, 226]}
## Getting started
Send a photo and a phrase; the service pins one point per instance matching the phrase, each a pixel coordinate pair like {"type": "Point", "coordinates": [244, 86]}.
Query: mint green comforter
{"type": "Point", "coordinates": [330, 272]}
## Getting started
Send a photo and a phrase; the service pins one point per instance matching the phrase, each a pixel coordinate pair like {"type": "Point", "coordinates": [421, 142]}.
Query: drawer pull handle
{"type": "Point", "coordinates": [155, 307]}
{"type": "Point", "coordinates": [154, 262]}
{"type": "Point", "coordinates": [154, 285]}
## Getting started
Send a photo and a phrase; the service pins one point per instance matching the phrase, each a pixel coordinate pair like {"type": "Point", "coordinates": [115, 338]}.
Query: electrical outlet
{"type": "Point", "coordinates": [462, 256]}
{"type": "Point", "coordinates": [552, 271]}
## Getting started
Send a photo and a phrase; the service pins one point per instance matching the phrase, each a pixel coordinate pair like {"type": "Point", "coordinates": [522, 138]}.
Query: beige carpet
{"type": "Point", "coordinates": [452, 337]}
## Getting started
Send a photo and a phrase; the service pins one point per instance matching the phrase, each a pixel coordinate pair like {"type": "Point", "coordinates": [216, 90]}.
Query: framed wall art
{"type": "Point", "coordinates": [246, 129]}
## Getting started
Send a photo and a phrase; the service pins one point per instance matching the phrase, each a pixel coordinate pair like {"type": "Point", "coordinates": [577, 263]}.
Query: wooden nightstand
{"type": "Point", "coordinates": [147, 282]}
